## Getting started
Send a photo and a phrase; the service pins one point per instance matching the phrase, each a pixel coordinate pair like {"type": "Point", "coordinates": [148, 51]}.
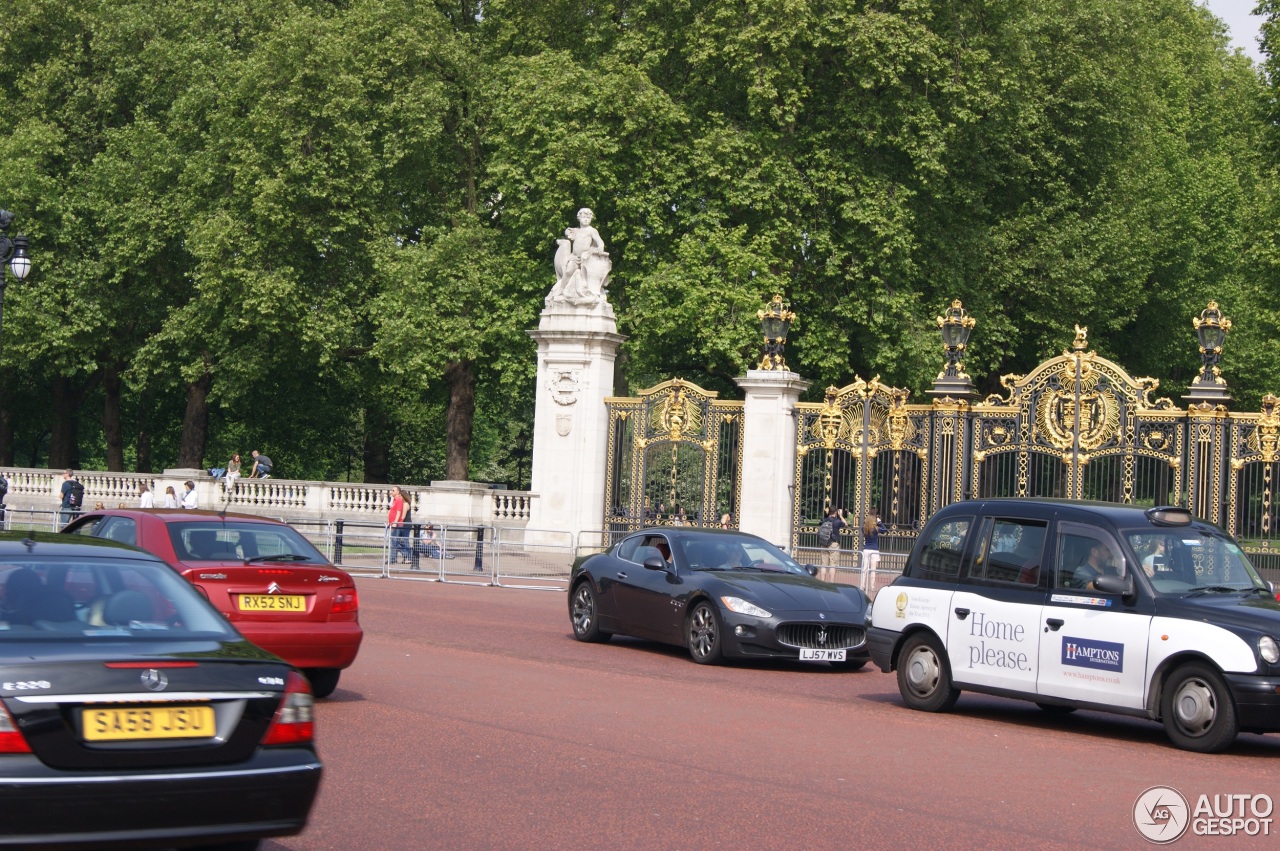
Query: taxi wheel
{"type": "Point", "coordinates": [1197, 710]}
{"type": "Point", "coordinates": [584, 614]}
{"type": "Point", "coordinates": [924, 675]}
{"type": "Point", "coordinates": [703, 633]}
{"type": "Point", "coordinates": [323, 680]}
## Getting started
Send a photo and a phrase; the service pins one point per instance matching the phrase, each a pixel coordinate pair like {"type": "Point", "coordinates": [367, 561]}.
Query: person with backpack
{"type": "Point", "coordinates": [72, 496]}
{"type": "Point", "coordinates": [829, 540]}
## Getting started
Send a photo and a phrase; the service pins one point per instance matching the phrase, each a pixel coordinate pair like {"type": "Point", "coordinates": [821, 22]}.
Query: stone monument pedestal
{"type": "Point", "coordinates": [577, 347]}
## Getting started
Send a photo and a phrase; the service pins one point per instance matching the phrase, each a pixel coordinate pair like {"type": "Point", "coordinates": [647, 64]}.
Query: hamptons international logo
{"type": "Point", "coordinates": [1085, 653]}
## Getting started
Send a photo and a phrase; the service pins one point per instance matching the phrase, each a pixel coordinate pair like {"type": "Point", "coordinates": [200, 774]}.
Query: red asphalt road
{"type": "Point", "coordinates": [472, 719]}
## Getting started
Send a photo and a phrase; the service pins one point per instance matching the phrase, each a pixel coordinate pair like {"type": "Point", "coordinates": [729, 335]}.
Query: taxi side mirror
{"type": "Point", "coordinates": [655, 563]}
{"type": "Point", "coordinates": [811, 570]}
{"type": "Point", "coordinates": [1122, 585]}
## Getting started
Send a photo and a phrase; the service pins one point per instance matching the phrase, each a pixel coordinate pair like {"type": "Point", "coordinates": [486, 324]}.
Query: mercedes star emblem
{"type": "Point", "coordinates": [154, 680]}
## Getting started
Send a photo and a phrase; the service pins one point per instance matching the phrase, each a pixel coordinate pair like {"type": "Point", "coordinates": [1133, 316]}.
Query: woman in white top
{"type": "Point", "coordinates": [170, 497]}
{"type": "Point", "coordinates": [146, 499]}
{"type": "Point", "coordinates": [189, 498]}
{"type": "Point", "coordinates": [233, 471]}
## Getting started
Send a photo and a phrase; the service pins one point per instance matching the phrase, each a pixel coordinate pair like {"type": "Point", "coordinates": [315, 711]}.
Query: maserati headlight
{"type": "Point", "coordinates": [744, 607]}
{"type": "Point", "coordinates": [1268, 649]}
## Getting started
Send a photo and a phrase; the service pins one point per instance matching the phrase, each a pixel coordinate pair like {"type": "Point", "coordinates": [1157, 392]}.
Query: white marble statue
{"type": "Point", "coordinates": [582, 265]}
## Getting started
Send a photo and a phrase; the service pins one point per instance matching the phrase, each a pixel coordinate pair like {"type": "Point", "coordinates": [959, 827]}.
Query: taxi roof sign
{"type": "Point", "coordinates": [1169, 515]}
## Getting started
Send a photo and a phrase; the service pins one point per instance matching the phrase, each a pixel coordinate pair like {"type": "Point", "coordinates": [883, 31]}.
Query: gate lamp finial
{"type": "Point", "coordinates": [1211, 329]}
{"type": "Point", "coordinates": [775, 322]}
{"type": "Point", "coordinates": [955, 326]}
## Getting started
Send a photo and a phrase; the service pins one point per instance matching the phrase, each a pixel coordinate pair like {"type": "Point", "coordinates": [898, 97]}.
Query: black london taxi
{"type": "Point", "coordinates": [1144, 612]}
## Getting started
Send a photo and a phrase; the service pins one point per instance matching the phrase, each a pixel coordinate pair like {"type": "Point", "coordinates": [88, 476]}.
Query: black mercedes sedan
{"type": "Point", "coordinates": [720, 594]}
{"type": "Point", "coordinates": [132, 715]}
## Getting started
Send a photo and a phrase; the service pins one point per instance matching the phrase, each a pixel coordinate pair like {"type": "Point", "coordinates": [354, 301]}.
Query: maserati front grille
{"type": "Point", "coordinates": [821, 636]}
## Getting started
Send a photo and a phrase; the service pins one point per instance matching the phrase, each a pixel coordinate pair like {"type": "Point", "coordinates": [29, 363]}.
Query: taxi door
{"type": "Point", "coordinates": [993, 638]}
{"type": "Point", "coordinates": [1094, 645]}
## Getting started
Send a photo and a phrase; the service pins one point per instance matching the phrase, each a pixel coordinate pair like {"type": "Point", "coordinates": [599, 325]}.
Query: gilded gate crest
{"type": "Point", "coordinates": [676, 417]}
{"type": "Point", "coordinates": [1098, 411]}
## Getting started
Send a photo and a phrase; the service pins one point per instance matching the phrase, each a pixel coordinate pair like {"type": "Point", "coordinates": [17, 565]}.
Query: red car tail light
{"type": "Point", "coordinates": [11, 738]}
{"type": "Point", "coordinates": [345, 601]}
{"type": "Point", "coordinates": [294, 722]}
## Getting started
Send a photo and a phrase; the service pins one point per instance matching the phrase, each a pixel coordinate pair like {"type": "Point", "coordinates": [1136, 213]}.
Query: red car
{"type": "Point", "coordinates": [261, 574]}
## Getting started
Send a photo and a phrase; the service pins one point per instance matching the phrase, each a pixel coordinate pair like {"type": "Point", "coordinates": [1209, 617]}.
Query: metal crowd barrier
{"type": "Point", "coordinates": [457, 553]}
{"type": "Point", "coordinates": [592, 541]}
{"type": "Point", "coordinates": [30, 519]}
{"type": "Point", "coordinates": [358, 548]}
{"type": "Point", "coordinates": [533, 558]}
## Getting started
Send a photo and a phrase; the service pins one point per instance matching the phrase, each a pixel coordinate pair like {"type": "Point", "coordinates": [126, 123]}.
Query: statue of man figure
{"type": "Point", "coordinates": [582, 265]}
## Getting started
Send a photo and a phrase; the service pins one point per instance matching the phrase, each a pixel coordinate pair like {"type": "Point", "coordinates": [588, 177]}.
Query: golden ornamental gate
{"type": "Point", "coordinates": [1254, 460]}
{"type": "Point", "coordinates": [1079, 427]}
{"type": "Point", "coordinates": [863, 449]}
{"type": "Point", "coordinates": [674, 458]}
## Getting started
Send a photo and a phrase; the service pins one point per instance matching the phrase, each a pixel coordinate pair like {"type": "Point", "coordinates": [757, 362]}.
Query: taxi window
{"type": "Point", "coordinates": [1085, 553]}
{"type": "Point", "coordinates": [1186, 559]}
{"type": "Point", "coordinates": [1009, 550]}
{"type": "Point", "coordinates": [940, 555]}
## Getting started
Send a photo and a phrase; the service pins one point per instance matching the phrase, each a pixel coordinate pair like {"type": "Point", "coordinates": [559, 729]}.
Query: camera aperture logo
{"type": "Point", "coordinates": [1161, 815]}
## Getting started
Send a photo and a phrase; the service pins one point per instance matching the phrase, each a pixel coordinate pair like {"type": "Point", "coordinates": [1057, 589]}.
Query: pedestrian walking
{"type": "Point", "coordinates": [398, 525]}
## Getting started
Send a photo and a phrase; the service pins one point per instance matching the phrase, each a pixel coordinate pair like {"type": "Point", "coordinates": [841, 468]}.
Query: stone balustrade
{"type": "Point", "coordinates": [460, 503]}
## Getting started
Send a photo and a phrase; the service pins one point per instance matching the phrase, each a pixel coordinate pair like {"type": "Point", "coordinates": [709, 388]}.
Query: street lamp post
{"type": "Point", "coordinates": [13, 258]}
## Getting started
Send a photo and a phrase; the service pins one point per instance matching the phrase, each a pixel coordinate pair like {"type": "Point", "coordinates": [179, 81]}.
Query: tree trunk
{"type": "Point", "coordinates": [195, 424]}
{"type": "Point", "coordinates": [112, 431]}
{"type": "Point", "coordinates": [142, 443]}
{"type": "Point", "coordinates": [377, 447]}
{"type": "Point", "coordinates": [6, 437]}
{"type": "Point", "coordinates": [64, 452]}
{"type": "Point", "coordinates": [459, 420]}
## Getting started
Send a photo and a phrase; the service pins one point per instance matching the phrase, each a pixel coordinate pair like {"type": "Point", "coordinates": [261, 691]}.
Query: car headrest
{"type": "Point", "coordinates": [643, 554]}
{"type": "Point", "coordinates": [127, 606]}
{"type": "Point", "coordinates": [202, 543]}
